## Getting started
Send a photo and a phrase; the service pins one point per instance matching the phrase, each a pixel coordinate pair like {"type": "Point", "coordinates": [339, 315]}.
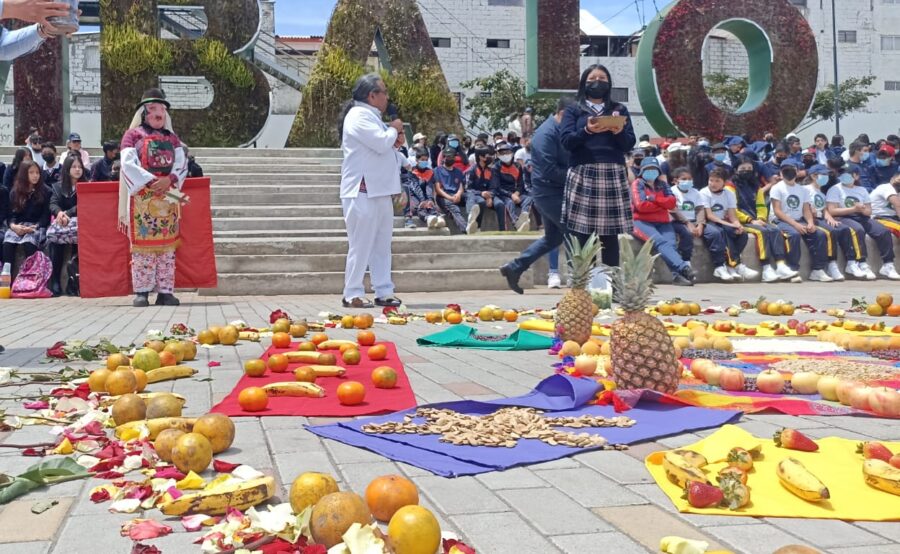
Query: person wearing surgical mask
{"type": "Point", "coordinates": [720, 159]}
{"type": "Point", "coordinates": [457, 156]}
{"type": "Point", "coordinates": [883, 169]}
{"type": "Point", "coordinates": [508, 186]}
{"type": "Point", "coordinates": [480, 193]}
{"type": "Point", "coordinates": [689, 215]}
{"type": "Point", "coordinates": [421, 193]}
{"type": "Point", "coordinates": [838, 234]}
{"type": "Point", "coordinates": [52, 167]}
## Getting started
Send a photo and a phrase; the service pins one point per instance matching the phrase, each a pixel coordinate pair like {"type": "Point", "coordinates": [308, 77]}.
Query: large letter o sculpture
{"type": "Point", "coordinates": [784, 66]}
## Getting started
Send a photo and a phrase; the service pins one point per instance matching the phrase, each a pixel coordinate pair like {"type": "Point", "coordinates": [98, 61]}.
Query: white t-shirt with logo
{"type": "Point", "coordinates": [688, 202]}
{"type": "Point", "coordinates": [881, 204]}
{"type": "Point", "coordinates": [792, 198]}
{"type": "Point", "coordinates": [817, 199]}
{"type": "Point", "coordinates": [719, 202]}
{"type": "Point", "coordinates": [847, 197]}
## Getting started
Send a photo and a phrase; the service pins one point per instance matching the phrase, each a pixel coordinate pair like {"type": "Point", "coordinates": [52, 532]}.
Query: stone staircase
{"type": "Point", "coordinates": [278, 229]}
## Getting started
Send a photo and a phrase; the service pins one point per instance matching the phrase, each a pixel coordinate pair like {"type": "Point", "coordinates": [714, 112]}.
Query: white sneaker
{"type": "Point", "coordinates": [835, 272]}
{"type": "Point", "coordinates": [472, 224]}
{"type": "Point", "coordinates": [723, 274]}
{"type": "Point", "coordinates": [870, 276]}
{"type": "Point", "coordinates": [523, 222]}
{"type": "Point", "coordinates": [735, 275]}
{"type": "Point", "coordinates": [553, 280]}
{"type": "Point", "coordinates": [820, 275]}
{"type": "Point", "coordinates": [441, 222]}
{"type": "Point", "coordinates": [854, 270]}
{"type": "Point", "coordinates": [746, 273]}
{"type": "Point", "coordinates": [769, 275]}
{"type": "Point", "coordinates": [889, 271]}
{"type": "Point", "coordinates": [796, 279]}
{"type": "Point", "coordinates": [432, 222]}
{"type": "Point", "coordinates": [785, 272]}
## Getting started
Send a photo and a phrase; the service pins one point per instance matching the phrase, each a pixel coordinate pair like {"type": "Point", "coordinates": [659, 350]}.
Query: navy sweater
{"type": "Point", "coordinates": [604, 147]}
{"type": "Point", "coordinates": [550, 161]}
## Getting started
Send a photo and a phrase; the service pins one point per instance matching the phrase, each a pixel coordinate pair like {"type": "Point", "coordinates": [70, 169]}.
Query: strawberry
{"type": "Point", "coordinates": [701, 495]}
{"type": "Point", "coordinates": [731, 472]}
{"type": "Point", "coordinates": [874, 451]}
{"type": "Point", "coordinates": [740, 458]}
{"type": "Point", "coordinates": [795, 440]}
{"type": "Point", "coordinates": [895, 460]}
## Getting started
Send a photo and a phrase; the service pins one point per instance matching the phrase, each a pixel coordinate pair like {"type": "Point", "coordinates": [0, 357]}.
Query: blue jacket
{"type": "Point", "coordinates": [604, 147]}
{"type": "Point", "coordinates": [451, 181]}
{"type": "Point", "coordinates": [549, 160]}
{"type": "Point", "coordinates": [878, 175]}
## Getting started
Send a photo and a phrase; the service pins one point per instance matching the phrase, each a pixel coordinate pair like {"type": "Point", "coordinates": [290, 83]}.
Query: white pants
{"type": "Point", "coordinates": [370, 225]}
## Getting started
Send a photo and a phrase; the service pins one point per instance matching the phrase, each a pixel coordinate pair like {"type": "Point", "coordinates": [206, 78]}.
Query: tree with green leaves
{"type": "Point", "coordinates": [725, 91]}
{"type": "Point", "coordinates": [500, 98]}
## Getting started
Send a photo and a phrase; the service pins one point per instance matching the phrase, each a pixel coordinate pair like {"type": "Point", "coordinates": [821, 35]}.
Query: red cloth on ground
{"type": "Point", "coordinates": [104, 254]}
{"type": "Point", "coordinates": [378, 401]}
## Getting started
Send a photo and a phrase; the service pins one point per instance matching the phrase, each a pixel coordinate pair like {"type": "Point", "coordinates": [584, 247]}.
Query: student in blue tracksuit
{"type": "Point", "coordinates": [450, 189]}
{"type": "Point", "coordinates": [479, 194]}
{"type": "Point", "coordinates": [720, 160]}
{"type": "Point", "coordinates": [884, 168]}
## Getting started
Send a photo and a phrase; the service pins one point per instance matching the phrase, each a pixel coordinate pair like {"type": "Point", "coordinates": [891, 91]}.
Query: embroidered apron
{"type": "Point", "coordinates": [154, 219]}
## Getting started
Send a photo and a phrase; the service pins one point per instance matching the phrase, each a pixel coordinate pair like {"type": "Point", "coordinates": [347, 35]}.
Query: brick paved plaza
{"type": "Point", "coordinates": [595, 502]}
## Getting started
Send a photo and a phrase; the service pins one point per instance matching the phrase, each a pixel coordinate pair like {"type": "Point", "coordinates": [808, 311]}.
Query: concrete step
{"type": "Point", "coordinates": [265, 152]}
{"type": "Point", "coordinates": [277, 199]}
{"type": "Point", "coordinates": [228, 161]}
{"type": "Point", "coordinates": [315, 263]}
{"type": "Point", "coordinates": [270, 169]}
{"type": "Point", "coordinates": [311, 223]}
{"type": "Point", "coordinates": [282, 179]}
{"type": "Point", "coordinates": [315, 234]}
{"type": "Point", "coordinates": [268, 284]}
{"type": "Point", "coordinates": [251, 187]}
{"type": "Point", "coordinates": [276, 210]}
{"type": "Point", "coordinates": [404, 242]}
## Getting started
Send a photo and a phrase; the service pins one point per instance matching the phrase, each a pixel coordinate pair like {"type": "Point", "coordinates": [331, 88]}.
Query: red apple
{"type": "Point", "coordinates": [750, 332]}
{"type": "Point", "coordinates": [859, 398]}
{"type": "Point", "coordinates": [844, 388]}
{"type": "Point", "coordinates": [700, 366]}
{"type": "Point", "coordinates": [896, 329]}
{"type": "Point", "coordinates": [770, 381]}
{"type": "Point", "coordinates": [731, 379]}
{"type": "Point", "coordinates": [780, 332]}
{"type": "Point", "coordinates": [885, 401]}
{"type": "Point", "coordinates": [805, 382]}
{"type": "Point", "coordinates": [793, 323]}
{"type": "Point", "coordinates": [802, 329]}
{"type": "Point", "coordinates": [895, 460]}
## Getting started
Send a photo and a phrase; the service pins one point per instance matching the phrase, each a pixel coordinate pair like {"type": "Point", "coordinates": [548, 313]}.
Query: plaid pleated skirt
{"type": "Point", "coordinates": [597, 200]}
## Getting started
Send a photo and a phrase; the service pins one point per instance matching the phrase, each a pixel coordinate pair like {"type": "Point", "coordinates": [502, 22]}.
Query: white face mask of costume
{"type": "Point", "coordinates": [155, 115]}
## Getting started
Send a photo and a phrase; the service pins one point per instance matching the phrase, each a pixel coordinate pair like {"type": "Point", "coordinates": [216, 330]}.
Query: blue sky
{"type": "Point", "coordinates": [310, 17]}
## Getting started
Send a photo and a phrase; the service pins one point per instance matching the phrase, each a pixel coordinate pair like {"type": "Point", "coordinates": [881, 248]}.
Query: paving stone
{"type": "Point", "coordinates": [290, 465]}
{"type": "Point", "coordinates": [467, 389]}
{"type": "Point", "coordinates": [351, 454]}
{"type": "Point", "coordinates": [358, 476]}
{"type": "Point", "coordinates": [678, 441]}
{"type": "Point", "coordinates": [515, 478]}
{"type": "Point", "coordinates": [504, 532]}
{"type": "Point", "coordinates": [823, 432]}
{"type": "Point", "coordinates": [883, 549]}
{"type": "Point", "coordinates": [91, 534]}
{"type": "Point", "coordinates": [19, 524]}
{"type": "Point", "coordinates": [755, 539]}
{"type": "Point", "coordinates": [618, 466]}
{"type": "Point", "coordinates": [282, 422]}
{"type": "Point", "coordinates": [463, 495]}
{"type": "Point", "coordinates": [25, 547]}
{"type": "Point", "coordinates": [568, 462]}
{"type": "Point", "coordinates": [648, 524]}
{"type": "Point", "coordinates": [293, 440]}
{"type": "Point", "coordinates": [642, 450]}
{"type": "Point", "coordinates": [826, 533]}
{"type": "Point", "coordinates": [654, 494]}
{"type": "Point", "coordinates": [783, 420]}
{"type": "Point", "coordinates": [552, 512]}
{"type": "Point", "coordinates": [611, 541]}
{"type": "Point", "coordinates": [890, 530]}
{"type": "Point", "coordinates": [589, 488]}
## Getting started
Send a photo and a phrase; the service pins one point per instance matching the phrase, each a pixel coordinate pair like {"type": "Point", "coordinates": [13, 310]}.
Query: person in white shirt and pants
{"type": "Point", "coordinates": [370, 176]}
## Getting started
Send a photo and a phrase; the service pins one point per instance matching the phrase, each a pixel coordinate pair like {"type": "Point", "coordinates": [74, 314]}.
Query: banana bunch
{"type": "Point", "coordinates": [241, 495]}
{"type": "Point", "coordinates": [157, 426]}
{"type": "Point", "coordinates": [170, 372]}
{"type": "Point", "coordinates": [108, 401]}
{"type": "Point", "coordinates": [682, 468]}
{"type": "Point", "coordinates": [796, 478]}
{"type": "Point", "coordinates": [882, 475]}
{"type": "Point", "coordinates": [294, 388]}
{"type": "Point", "coordinates": [251, 336]}
{"type": "Point", "coordinates": [327, 370]}
{"type": "Point", "coordinates": [336, 344]}
{"type": "Point", "coordinates": [303, 356]}
{"type": "Point", "coordinates": [394, 320]}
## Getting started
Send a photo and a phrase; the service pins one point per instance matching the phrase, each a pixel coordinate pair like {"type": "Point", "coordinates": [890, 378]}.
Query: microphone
{"type": "Point", "coordinates": [392, 111]}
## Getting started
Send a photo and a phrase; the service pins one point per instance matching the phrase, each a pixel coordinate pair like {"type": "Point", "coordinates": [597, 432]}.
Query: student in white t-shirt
{"type": "Point", "coordinates": [723, 234]}
{"type": "Point", "coordinates": [792, 213]}
{"type": "Point", "coordinates": [689, 215]}
{"type": "Point", "coordinates": [886, 204]}
{"type": "Point", "coordinates": [835, 231]}
{"type": "Point", "coordinates": [850, 204]}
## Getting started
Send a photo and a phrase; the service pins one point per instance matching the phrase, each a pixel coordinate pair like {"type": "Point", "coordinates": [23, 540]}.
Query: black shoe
{"type": "Point", "coordinates": [357, 303]}
{"type": "Point", "coordinates": [140, 300]}
{"type": "Point", "coordinates": [689, 274]}
{"type": "Point", "coordinates": [55, 290]}
{"type": "Point", "coordinates": [389, 302]}
{"type": "Point", "coordinates": [163, 299]}
{"type": "Point", "coordinates": [681, 281]}
{"type": "Point", "coordinates": [512, 278]}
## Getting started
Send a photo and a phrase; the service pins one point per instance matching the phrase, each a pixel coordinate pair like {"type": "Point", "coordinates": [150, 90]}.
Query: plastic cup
{"type": "Point", "coordinates": [5, 293]}
{"type": "Point", "coordinates": [64, 25]}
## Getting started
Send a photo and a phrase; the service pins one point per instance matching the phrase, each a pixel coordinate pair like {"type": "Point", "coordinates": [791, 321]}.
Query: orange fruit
{"type": "Point", "coordinates": [281, 340]}
{"type": "Point", "coordinates": [510, 315]}
{"type": "Point", "coordinates": [255, 368]}
{"type": "Point", "coordinates": [388, 493]}
{"type": "Point", "coordinates": [166, 358]}
{"type": "Point", "coordinates": [414, 530]}
{"type": "Point", "coordinates": [365, 338]}
{"type": "Point", "coordinates": [281, 325]}
{"type": "Point", "coordinates": [115, 360]}
{"type": "Point", "coordinates": [278, 363]}
{"type": "Point", "coordinates": [307, 346]}
{"type": "Point", "coordinates": [327, 359]}
{"type": "Point", "coordinates": [377, 352]}
{"type": "Point", "coordinates": [318, 338]}
{"type": "Point", "coordinates": [347, 322]}
{"type": "Point", "coordinates": [350, 356]}
{"type": "Point", "coordinates": [305, 374]}
{"type": "Point", "coordinates": [207, 337]}
{"type": "Point", "coordinates": [97, 379]}
{"type": "Point", "coordinates": [298, 330]}
{"type": "Point", "coordinates": [875, 310]}
{"type": "Point", "coordinates": [384, 377]}
{"type": "Point", "coordinates": [454, 318]}
{"type": "Point", "coordinates": [253, 399]}
{"type": "Point", "coordinates": [884, 300]}
{"type": "Point", "coordinates": [363, 321]}
{"type": "Point", "coordinates": [351, 393]}
{"type": "Point", "coordinates": [141, 377]}
{"type": "Point", "coordinates": [121, 381]}
{"type": "Point", "coordinates": [893, 310]}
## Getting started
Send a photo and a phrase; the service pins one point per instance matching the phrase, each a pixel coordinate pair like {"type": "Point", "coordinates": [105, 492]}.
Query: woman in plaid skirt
{"type": "Point", "coordinates": [596, 197]}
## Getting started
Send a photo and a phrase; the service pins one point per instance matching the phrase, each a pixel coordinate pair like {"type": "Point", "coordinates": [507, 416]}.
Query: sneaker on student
{"type": "Point", "coordinates": [735, 274]}
{"type": "Point", "coordinates": [553, 280]}
{"type": "Point", "coordinates": [784, 272]}
{"type": "Point", "coordinates": [723, 274]}
{"type": "Point", "coordinates": [870, 275]}
{"type": "Point", "coordinates": [854, 270]}
{"type": "Point", "coordinates": [796, 279]}
{"type": "Point", "coordinates": [472, 225]}
{"type": "Point", "coordinates": [432, 222]}
{"type": "Point", "coordinates": [523, 222]}
{"type": "Point", "coordinates": [410, 224]}
{"type": "Point", "coordinates": [820, 276]}
{"type": "Point", "coordinates": [746, 273]}
{"type": "Point", "coordinates": [688, 273]}
{"type": "Point", "coordinates": [889, 271]}
{"type": "Point", "coordinates": [441, 222]}
{"type": "Point", "coordinates": [680, 280]}
{"type": "Point", "coordinates": [769, 274]}
{"type": "Point", "coordinates": [834, 271]}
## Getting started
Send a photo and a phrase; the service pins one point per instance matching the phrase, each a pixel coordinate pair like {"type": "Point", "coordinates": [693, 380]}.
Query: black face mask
{"type": "Point", "coordinates": [789, 173]}
{"type": "Point", "coordinates": [448, 163]}
{"type": "Point", "coordinates": [49, 158]}
{"type": "Point", "coordinates": [809, 164]}
{"type": "Point", "coordinates": [746, 175]}
{"type": "Point", "coordinates": [780, 159]}
{"type": "Point", "coordinates": [597, 90]}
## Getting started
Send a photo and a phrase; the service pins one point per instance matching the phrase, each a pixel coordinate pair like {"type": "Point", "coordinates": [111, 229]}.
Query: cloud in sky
{"type": "Point", "coordinates": [310, 17]}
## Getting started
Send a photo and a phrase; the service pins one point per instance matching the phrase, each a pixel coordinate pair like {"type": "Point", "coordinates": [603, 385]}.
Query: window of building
{"type": "Point", "coordinates": [92, 57]}
{"type": "Point", "coordinates": [619, 94]}
{"type": "Point", "coordinates": [440, 42]}
{"type": "Point", "coordinates": [512, 3]}
{"type": "Point", "coordinates": [497, 43]}
{"type": "Point", "coordinates": [846, 36]}
{"type": "Point", "coordinates": [890, 1]}
{"type": "Point", "coordinates": [892, 85]}
{"type": "Point", "coordinates": [890, 42]}
{"type": "Point", "coordinates": [799, 3]}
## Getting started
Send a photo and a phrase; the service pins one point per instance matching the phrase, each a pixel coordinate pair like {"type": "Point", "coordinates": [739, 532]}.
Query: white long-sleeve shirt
{"type": "Point", "coordinates": [369, 153]}
{"type": "Point", "coordinates": [14, 44]}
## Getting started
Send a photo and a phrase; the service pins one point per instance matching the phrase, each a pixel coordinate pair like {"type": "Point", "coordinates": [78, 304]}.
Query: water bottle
{"type": "Point", "coordinates": [68, 23]}
{"type": "Point", "coordinates": [6, 282]}
{"type": "Point", "coordinates": [600, 289]}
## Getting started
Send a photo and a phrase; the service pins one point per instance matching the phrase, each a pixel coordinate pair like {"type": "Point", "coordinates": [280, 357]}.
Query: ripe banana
{"type": "Point", "coordinates": [393, 320]}
{"type": "Point", "coordinates": [252, 336]}
{"type": "Point", "coordinates": [158, 425]}
{"type": "Point", "coordinates": [169, 373]}
{"type": "Point", "coordinates": [107, 401]}
{"type": "Point", "coordinates": [240, 496]}
{"type": "Point", "coordinates": [796, 478]}
{"type": "Point", "coordinates": [304, 356]}
{"type": "Point", "coordinates": [327, 370]}
{"type": "Point", "coordinates": [680, 471]}
{"type": "Point", "coordinates": [336, 344]}
{"type": "Point", "coordinates": [882, 475]}
{"type": "Point", "coordinates": [695, 459]}
{"type": "Point", "coordinates": [294, 388]}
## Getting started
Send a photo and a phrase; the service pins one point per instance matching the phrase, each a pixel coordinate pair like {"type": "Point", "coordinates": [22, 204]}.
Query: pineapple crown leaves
{"type": "Point", "coordinates": [632, 285]}
{"type": "Point", "coordinates": [582, 259]}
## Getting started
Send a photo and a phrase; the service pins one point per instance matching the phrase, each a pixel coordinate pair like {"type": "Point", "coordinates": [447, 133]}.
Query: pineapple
{"type": "Point", "coordinates": [575, 314]}
{"type": "Point", "coordinates": [643, 356]}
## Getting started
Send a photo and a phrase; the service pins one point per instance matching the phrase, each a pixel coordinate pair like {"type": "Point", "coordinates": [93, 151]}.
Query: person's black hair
{"type": "Point", "coordinates": [483, 136]}
{"type": "Point", "coordinates": [421, 152]}
{"type": "Point", "coordinates": [563, 102]}
{"type": "Point", "coordinates": [719, 172]}
{"type": "Point", "coordinates": [110, 145]}
{"type": "Point", "coordinates": [49, 145]}
{"type": "Point", "coordinates": [837, 140]}
{"type": "Point", "coordinates": [857, 146]}
{"type": "Point", "coordinates": [497, 134]}
{"type": "Point", "coordinates": [65, 179]}
{"type": "Point", "coordinates": [363, 87]}
{"type": "Point", "coordinates": [582, 86]}
{"type": "Point", "coordinates": [644, 138]}
{"type": "Point", "coordinates": [835, 162]}
{"type": "Point", "coordinates": [893, 139]}
{"type": "Point", "coordinates": [683, 170]}
{"type": "Point", "coordinates": [18, 157]}
{"type": "Point", "coordinates": [863, 138]}
{"type": "Point", "coordinates": [747, 138]}
{"type": "Point", "coordinates": [822, 136]}
{"type": "Point", "coordinates": [439, 139]}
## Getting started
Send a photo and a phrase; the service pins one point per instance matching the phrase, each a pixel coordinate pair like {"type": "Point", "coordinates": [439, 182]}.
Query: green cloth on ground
{"type": "Point", "coordinates": [463, 336]}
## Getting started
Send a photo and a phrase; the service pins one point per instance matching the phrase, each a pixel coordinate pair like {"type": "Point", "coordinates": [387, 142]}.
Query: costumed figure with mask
{"type": "Point", "coordinates": [153, 169]}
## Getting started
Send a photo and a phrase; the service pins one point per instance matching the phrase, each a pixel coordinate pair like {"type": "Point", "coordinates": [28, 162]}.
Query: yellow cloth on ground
{"type": "Point", "coordinates": [836, 464]}
{"type": "Point", "coordinates": [547, 325]}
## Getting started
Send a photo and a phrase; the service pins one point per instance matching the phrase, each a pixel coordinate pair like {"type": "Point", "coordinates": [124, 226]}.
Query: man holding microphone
{"type": "Point", "coordinates": [370, 176]}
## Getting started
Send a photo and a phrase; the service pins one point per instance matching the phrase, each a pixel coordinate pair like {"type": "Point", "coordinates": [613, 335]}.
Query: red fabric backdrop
{"type": "Point", "coordinates": [104, 255]}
